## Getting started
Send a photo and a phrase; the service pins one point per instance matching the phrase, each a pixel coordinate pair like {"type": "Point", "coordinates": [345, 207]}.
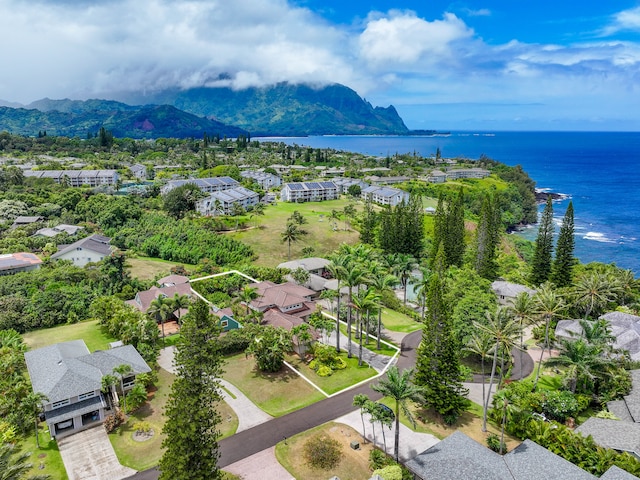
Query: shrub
{"type": "Point", "coordinates": [378, 459]}
{"type": "Point", "coordinates": [142, 427]}
{"type": "Point", "coordinates": [322, 452]}
{"type": "Point", "coordinates": [494, 443]}
{"type": "Point", "coordinates": [390, 472]}
{"type": "Point", "coordinates": [559, 405]}
{"type": "Point", "coordinates": [114, 421]}
{"type": "Point", "coordinates": [326, 360]}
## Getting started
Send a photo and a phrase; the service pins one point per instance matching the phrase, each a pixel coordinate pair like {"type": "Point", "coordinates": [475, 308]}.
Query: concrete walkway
{"type": "Point", "coordinates": [249, 415]}
{"type": "Point", "coordinates": [88, 455]}
{"type": "Point", "coordinates": [260, 466]}
{"type": "Point", "coordinates": [374, 360]}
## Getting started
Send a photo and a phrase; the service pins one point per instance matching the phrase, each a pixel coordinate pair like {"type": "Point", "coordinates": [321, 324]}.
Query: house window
{"type": "Point", "coordinates": [84, 396]}
{"type": "Point", "coordinates": [129, 382]}
{"type": "Point", "coordinates": [224, 323]}
{"type": "Point", "coordinates": [59, 404]}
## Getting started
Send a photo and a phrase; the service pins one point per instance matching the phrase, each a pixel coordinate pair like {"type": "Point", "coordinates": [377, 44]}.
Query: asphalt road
{"type": "Point", "coordinates": [266, 435]}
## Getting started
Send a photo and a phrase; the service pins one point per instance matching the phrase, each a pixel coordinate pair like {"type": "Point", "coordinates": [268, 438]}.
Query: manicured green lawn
{"type": "Point", "coordinates": [384, 348]}
{"type": "Point", "coordinates": [266, 240]}
{"type": "Point", "coordinates": [147, 268]}
{"type": "Point", "coordinates": [399, 322]}
{"type": "Point", "coordinates": [340, 379]}
{"type": "Point", "coordinates": [88, 331]}
{"type": "Point", "coordinates": [48, 456]}
{"type": "Point", "coordinates": [275, 393]}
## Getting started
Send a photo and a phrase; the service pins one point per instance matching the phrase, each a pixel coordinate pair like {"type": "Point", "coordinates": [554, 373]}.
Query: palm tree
{"type": "Point", "coordinates": [292, 234]}
{"type": "Point", "coordinates": [481, 344]}
{"type": "Point", "coordinates": [337, 270]}
{"type": "Point", "coordinates": [403, 265]}
{"type": "Point", "coordinates": [522, 309]}
{"type": "Point", "coordinates": [360, 400]}
{"type": "Point", "coordinates": [247, 295]}
{"type": "Point", "coordinates": [355, 275]}
{"type": "Point", "coordinates": [548, 305]}
{"type": "Point", "coordinates": [329, 295]}
{"type": "Point", "coordinates": [364, 301]}
{"type": "Point", "coordinates": [381, 413]}
{"type": "Point", "coordinates": [160, 309]}
{"type": "Point", "coordinates": [349, 211]}
{"type": "Point", "coordinates": [334, 217]}
{"type": "Point", "coordinates": [594, 291]}
{"type": "Point", "coordinates": [504, 330]}
{"type": "Point", "coordinates": [258, 210]}
{"type": "Point", "coordinates": [398, 386]}
{"type": "Point", "coordinates": [582, 361]}
{"type": "Point", "coordinates": [32, 403]}
{"type": "Point", "coordinates": [421, 287]}
{"type": "Point", "coordinates": [14, 464]}
{"type": "Point", "coordinates": [381, 283]}
{"type": "Point", "coordinates": [122, 370]}
{"type": "Point", "coordinates": [178, 302]}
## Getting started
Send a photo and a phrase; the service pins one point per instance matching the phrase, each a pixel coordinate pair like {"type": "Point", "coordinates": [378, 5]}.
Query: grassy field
{"type": "Point", "coordinates": [353, 465]}
{"type": "Point", "coordinates": [47, 459]}
{"type": "Point", "coordinates": [88, 331]}
{"type": "Point", "coordinates": [146, 268]}
{"type": "Point", "coordinates": [275, 393]}
{"type": "Point", "coordinates": [399, 322]}
{"type": "Point", "coordinates": [266, 240]}
{"type": "Point", "coordinates": [340, 379]}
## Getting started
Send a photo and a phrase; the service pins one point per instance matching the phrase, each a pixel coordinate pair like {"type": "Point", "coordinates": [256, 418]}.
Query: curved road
{"type": "Point", "coordinates": [263, 436]}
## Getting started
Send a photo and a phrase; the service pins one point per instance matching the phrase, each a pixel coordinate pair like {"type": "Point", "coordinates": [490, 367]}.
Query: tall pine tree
{"type": "Point", "coordinates": [454, 238]}
{"type": "Point", "coordinates": [438, 365]}
{"type": "Point", "coordinates": [369, 223]}
{"type": "Point", "coordinates": [562, 272]}
{"type": "Point", "coordinates": [542, 255]}
{"type": "Point", "coordinates": [487, 238]}
{"type": "Point", "coordinates": [191, 429]}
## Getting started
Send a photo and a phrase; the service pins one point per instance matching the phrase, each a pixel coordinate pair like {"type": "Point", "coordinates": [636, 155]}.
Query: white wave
{"type": "Point", "coordinates": [598, 237]}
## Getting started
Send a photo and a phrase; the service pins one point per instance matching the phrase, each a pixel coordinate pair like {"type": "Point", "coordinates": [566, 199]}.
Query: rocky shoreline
{"type": "Point", "coordinates": [541, 196]}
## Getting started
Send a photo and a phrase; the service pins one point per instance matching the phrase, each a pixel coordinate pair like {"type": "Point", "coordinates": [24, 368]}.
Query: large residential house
{"type": "Point", "coordinates": [90, 249]}
{"type": "Point", "coordinates": [506, 292]}
{"type": "Point", "coordinates": [460, 457]}
{"type": "Point", "coordinates": [375, 180]}
{"type": "Point", "coordinates": [384, 195]}
{"type": "Point", "coordinates": [71, 379]}
{"type": "Point", "coordinates": [169, 287]}
{"type": "Point", "coordinates": [23, 220]}
{"type": "Point", "coordinates": [206, 185]}
{"type": "Point", "coordinates": [455, 174]}
{"type": "Point", "coordinates": [51, 232]}
{"type": "Point", "coordinates": [625, 329]}
{"type": "Point", "coordinates": [11, 263]}
{"type": "Point", "coordinates": [265, 180]}
{"type": "Point", "coordinates": [317, 268]}
{"type": "Point", "coordinates": [287, 298]}
{"type": "Point", "coordinates": [77, 178]}
{"type": "Point", "coordinates": [223, 203]}
{"type": "Point", "coordinates": [309, 192]}
{"type": "Point", "coordinates": [139, 171]}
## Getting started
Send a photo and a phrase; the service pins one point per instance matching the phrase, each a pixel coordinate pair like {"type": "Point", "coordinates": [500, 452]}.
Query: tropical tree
{"type": "Point", "coordinates": [360, 400]}
{"type": "Point", "coordinates": [179, 302]}
{"type": "Point", "coordinates": [258, 211]}
{"type": "Point", "coordinates": [14, 464]}
{"type": "Point", "coordinates": [269, 348]}
{"type": "Point", "coordinates": [504, 330]}
{"type": "Point", "coordinates": [123, 370]}
{"type": "Point", "coordinates": [330, 296]}
{"type": "Point", "coordinates": [399, 388]}
{"type": "Point", "coordinates": [247, 295]}
{"type": "Point", "coordinates": [337, 269]}
{"type": "Point", "coordinates": [380, 284]}
{"type": "Point", "coordinates": [354, 276]}
{"type": "Point", "coordinates": [481, 344]}
{"type": "Point", "coordinates": [582, 361]}
{"type": "Point", "coordinates": [192, 418]}
{"type": "Point", "coordinates": [382, 414]}
{"type": "Point", "coordinates": [349, 211]}
{"type": "Point", "coordinates": [541, 262]}
{"type": "Point", "coordinates": [364, 301]}
{"type": "Point", "coordinates": [562, 269]}
{"type": "Point", "coordinates": [334, 217]}
{"type": "Point", "coordinates": [302, 334]}
{"type": "Point", "coordinates": [403, 265]}
{"type": "Point", "coordinates": [160, 308]}
{"type": "Point", "coordinates": [292, 233]}
{"type": "Point", "coordinates": [598, 333]}
{"type": "Point", "coordinates": [32, 404]}
{"type": "Point", "coordinates": [523, 309]}
{"type": "Point", "coordinates": [593, 291]}
{"type": "Point", "coordinates": [548, 306]}
{"type": "Point", "coordinates": [421, 287]}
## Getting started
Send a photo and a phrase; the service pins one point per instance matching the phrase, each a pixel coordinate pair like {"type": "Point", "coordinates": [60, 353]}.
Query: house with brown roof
{"type": "Point", "coordinates": [11, 263]}
{"type": "Point", "coordinates": [287, 298]}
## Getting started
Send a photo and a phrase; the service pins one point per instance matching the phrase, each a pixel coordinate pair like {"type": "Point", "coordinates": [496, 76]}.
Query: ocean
{"type": "Point", "coordinates": [599, 171]}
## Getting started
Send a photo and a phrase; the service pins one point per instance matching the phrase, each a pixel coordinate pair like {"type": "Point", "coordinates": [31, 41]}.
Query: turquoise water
{"type": "Point", "coordinates": [599, 171]}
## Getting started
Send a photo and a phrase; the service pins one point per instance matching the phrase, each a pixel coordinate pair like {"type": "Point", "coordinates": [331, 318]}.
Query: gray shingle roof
{"type": "Point", "coordinates": [616, 473]}
{"type": "Point", "coordinates": [530, 461]}
{"type": "Point", "coordinates": [623, 436]}
{"type": "Point", "coordinates": [95, 243]}
{"type": "Point", "coordinates": [67, 369]}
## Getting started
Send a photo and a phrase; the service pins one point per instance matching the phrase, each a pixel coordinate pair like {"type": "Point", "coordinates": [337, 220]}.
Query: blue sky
{"type": "Point", "coordinates": [458, 65]}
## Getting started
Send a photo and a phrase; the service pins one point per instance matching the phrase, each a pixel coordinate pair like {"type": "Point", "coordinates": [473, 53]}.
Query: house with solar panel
{"type": "Point", "coordinates": [384, 195]}
{"type": "Point", "coordinates": [309, 192]}
{"type": "Point", "coordinates": [207, 185]}
{"type": "Point", "coordinates": [223, 203]}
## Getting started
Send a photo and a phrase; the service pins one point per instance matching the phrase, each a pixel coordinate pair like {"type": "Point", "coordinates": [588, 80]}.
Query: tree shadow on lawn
{"type": "Point", "coordinates": [285, 375]}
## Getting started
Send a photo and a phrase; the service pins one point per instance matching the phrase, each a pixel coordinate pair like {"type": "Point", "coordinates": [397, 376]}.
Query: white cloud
{"type": "Point", "coordinates": [627, 20]}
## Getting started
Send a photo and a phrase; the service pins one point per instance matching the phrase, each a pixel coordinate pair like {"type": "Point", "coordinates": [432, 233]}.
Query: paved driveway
{"type": "Point", "coordinates": [89, 455]}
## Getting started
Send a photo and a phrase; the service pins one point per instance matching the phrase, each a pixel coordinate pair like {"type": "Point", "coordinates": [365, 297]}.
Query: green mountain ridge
{"type": "Point", "coordinates": [75, 118]}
